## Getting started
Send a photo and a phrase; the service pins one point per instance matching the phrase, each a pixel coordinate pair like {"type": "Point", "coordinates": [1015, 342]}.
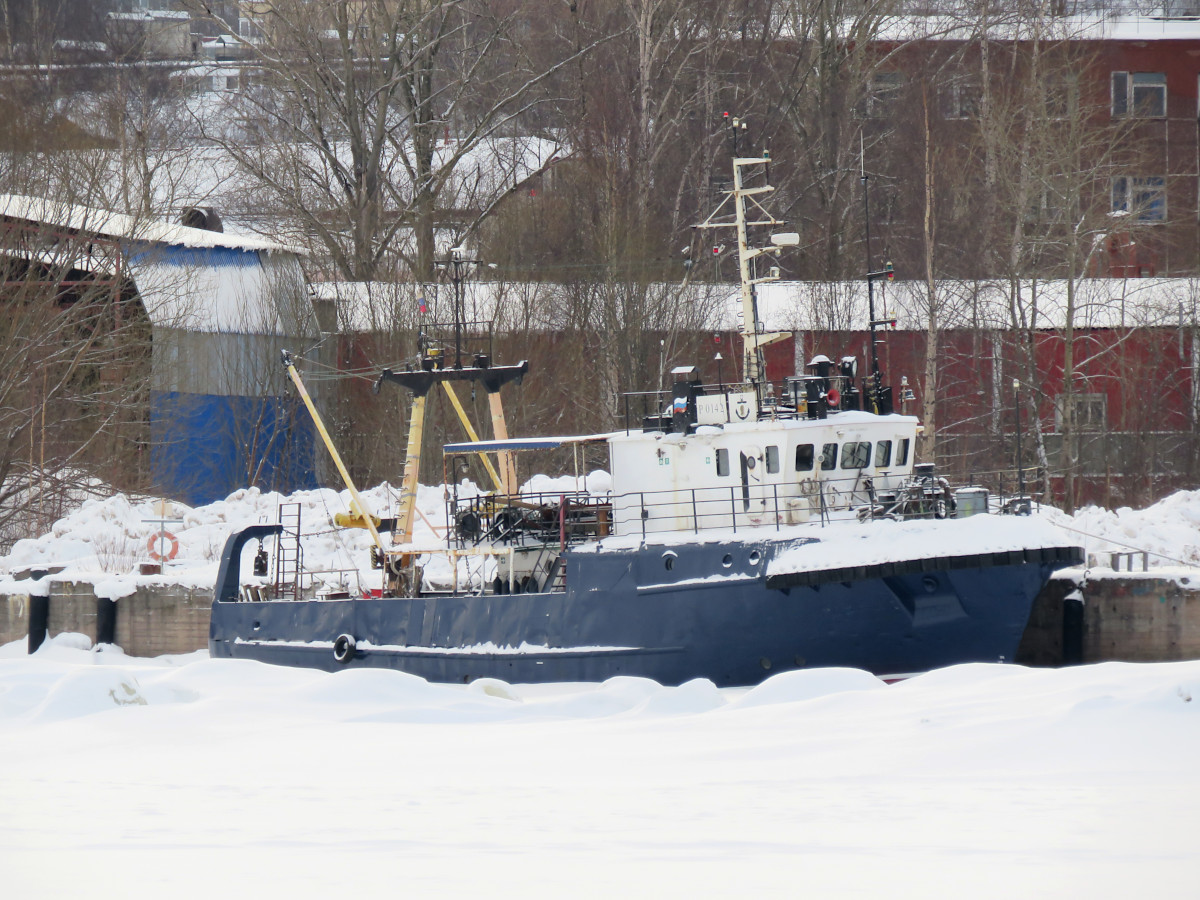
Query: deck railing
{"type": "Point", "coordinates": [572, 517]}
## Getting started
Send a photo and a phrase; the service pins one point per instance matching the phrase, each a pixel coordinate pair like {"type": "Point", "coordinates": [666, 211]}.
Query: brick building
{"type": "Point", "coordinates": [1110, 137]}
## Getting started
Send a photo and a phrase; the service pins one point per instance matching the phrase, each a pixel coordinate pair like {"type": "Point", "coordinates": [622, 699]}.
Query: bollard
{"type": "Point", "coordinates": [106, 621]}
{"type": "Point", "coordinates": [39, 621]}
{"type": "Point", "coordinates": [1072, 629]}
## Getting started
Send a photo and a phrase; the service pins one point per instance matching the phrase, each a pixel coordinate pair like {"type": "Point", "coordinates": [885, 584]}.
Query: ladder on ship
{"type": "Point", "coordinates": [288, 553]}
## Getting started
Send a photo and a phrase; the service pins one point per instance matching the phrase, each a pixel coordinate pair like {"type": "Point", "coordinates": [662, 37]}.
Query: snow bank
{"type": "Point", "coordinates": [178, 775]}
{"type": "Point", "coordinates": [1169, 530]}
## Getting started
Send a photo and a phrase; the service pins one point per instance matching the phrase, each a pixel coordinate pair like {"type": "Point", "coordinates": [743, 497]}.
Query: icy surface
{"type": "Point", "coordinates": [184, 777]}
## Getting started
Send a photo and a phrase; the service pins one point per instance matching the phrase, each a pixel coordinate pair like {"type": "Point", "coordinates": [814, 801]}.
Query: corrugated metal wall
{"type": "Point", "coordinates": [223, 413]}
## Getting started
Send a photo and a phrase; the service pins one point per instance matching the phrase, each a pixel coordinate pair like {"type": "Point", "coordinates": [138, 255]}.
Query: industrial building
{"type": "Point", "coordinates": [217, 413]}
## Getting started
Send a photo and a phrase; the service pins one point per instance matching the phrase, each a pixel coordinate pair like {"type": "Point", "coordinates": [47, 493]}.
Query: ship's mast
{"type": "Point", "coordinates": [747, 213]}
{"type": "Point", "coordinates": [875, 394]}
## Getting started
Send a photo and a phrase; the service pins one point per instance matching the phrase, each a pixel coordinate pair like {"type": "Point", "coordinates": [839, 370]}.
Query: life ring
{"type": "Point", "coordinates": [343, 648]}
{"type": "Point", "coordinates": [835, 498]}
{"type": "Point", "coordinates": [156, 541]}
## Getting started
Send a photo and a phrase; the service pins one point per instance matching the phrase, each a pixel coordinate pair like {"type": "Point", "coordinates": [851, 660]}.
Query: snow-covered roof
{"type": "Point", "coordinates": [1086, 27]}
{"type": "Point", "coordinates": [94, 46]}
{"type": "Point", "coordinates": [525, 306]}
{"type": "Point", "coordinates": [782, 305]}
{"type": "Point", "coordinates": [117, 225]}
{"type": "Point", "coordinates": [1098, 302]}
{"type": "Point", "coordinates": [152, 15]}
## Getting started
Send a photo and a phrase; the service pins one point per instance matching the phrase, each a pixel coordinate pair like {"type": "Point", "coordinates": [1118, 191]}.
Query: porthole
{"type": "Point", "coordinates": [755, 556]}
{"type": "Point", "coordinates": [669, 560]}
{"type": "Point", "coordinates": [929, 583]}
{"type": "Point", "coordinates": [727, 560]}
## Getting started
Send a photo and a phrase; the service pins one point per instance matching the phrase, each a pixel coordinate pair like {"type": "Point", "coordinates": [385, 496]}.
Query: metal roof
{"type": "Point", "coordinates": [533, 443]}
{"type": "Point", "coordinates": [104, 223]}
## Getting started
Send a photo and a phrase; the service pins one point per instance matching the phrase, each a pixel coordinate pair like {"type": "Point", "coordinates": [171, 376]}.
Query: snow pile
{"type": "Point", "coordinates": [175, 777]}
{"type": "Point", "coordinates": [106, 540]}
{"type": "Point", "coordinates": [1169, 530]}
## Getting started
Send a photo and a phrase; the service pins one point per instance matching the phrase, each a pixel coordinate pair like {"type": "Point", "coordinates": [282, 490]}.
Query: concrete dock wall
{"type": "Point", "coordinates": [1142, 619]}
{"type": "Point", "coordinates": [152, 621]}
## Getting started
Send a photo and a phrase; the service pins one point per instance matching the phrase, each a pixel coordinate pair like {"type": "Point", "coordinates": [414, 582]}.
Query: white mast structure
{"type": "Point", "coordinates": [754, 338]}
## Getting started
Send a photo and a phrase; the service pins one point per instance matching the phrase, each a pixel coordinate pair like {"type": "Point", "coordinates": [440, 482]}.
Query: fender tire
{"type": "Point", "coordinates": [344, 648]}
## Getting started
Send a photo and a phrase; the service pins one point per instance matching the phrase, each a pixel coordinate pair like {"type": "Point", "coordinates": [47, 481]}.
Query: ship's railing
{"type": "Point", "coordinates": [650, 410]}
{"type": "Point", "coordinates": [568, 518]}
{"type": "Point", "coordinates": [565, 517]}
{"type": "Point", "coordinates": [747, 506]}
{"type": "Point", "coordinates": [1010, 490]}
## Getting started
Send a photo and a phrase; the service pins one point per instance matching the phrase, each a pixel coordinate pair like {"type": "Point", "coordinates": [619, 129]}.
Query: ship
{"type": "Point", "coordinates": [745, 529]}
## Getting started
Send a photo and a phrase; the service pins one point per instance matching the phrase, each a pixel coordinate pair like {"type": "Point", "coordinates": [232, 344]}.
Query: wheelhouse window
{"type": "Point", "coordinates": [902, 452]}
{"type": "Point", "coordinates": [856, 454]}
{"type": "Point", "coordinates": [772, 460]}
{"type": "Point", "coordinates": [722, 462]}
{"type": "Point", "coordinates": [883, 454]}
{"type": "Point", "coordinates": [829, 457]}
{"type": "Point", "coordinates": [804, 457]}
{"type": "Point", "coordinates": [1140, 95]}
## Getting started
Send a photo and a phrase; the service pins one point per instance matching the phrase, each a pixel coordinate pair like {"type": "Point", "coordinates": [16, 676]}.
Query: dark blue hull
{"type": "Point", "coordinates": [711, 612]}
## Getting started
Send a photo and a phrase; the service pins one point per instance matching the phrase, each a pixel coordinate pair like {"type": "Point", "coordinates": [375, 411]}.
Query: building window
{"type": "Point", "coordinates": [1048, 207]}
{"type": "Point", "coordinates": [1091, 411]}
{"type": "Point", "coordinates": [960, 99]}
{"type": "Point", "coordinates": [722, 462]}
{"type": "Point", "coordinates": [828, 457]}
{"type": "Point", "coordinates": [804, 457]}
{"type": "Point", "coordinates": [856, 454]}
{"type": "Point", "coordinates": [1062, 96]}
{"type": "Point", "coordinates": [1143, 199]}
{"type": "Point", "coordinates": [1139, 94]}
{"type": "Point", "coordinates": [883, 95]}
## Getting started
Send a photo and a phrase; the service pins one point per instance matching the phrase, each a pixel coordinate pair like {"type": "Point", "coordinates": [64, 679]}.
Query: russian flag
{"type": "Point", "coordinates": [421, 306]}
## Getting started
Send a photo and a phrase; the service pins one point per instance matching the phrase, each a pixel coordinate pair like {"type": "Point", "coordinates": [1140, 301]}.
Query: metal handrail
{"type": "Point", "coordinates": [571, 518]}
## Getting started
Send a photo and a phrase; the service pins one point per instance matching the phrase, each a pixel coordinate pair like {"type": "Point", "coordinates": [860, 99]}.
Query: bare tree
{"type": "Point", "coordinates": [75, 349]}
{"type": "Point", "coordinates": [363, 114]}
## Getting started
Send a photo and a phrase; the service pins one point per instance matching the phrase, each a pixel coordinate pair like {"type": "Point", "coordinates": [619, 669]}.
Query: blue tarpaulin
{"type": "Point", "coordinates": [205, 447]}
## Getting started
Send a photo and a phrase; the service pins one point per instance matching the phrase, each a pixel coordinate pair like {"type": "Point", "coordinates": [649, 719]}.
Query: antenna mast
{"type": "Point", "coordinates": [748, 212]}
{"type": "Point", "coordinates": [876, 391]}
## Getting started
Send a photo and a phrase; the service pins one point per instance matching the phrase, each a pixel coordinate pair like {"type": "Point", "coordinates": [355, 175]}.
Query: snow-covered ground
{"type": "Point", "coordinates": [190, 777]}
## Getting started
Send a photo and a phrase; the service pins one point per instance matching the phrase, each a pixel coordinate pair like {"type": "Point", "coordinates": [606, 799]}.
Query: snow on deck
{"type": "Point", "coordinates": [853, 544]}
